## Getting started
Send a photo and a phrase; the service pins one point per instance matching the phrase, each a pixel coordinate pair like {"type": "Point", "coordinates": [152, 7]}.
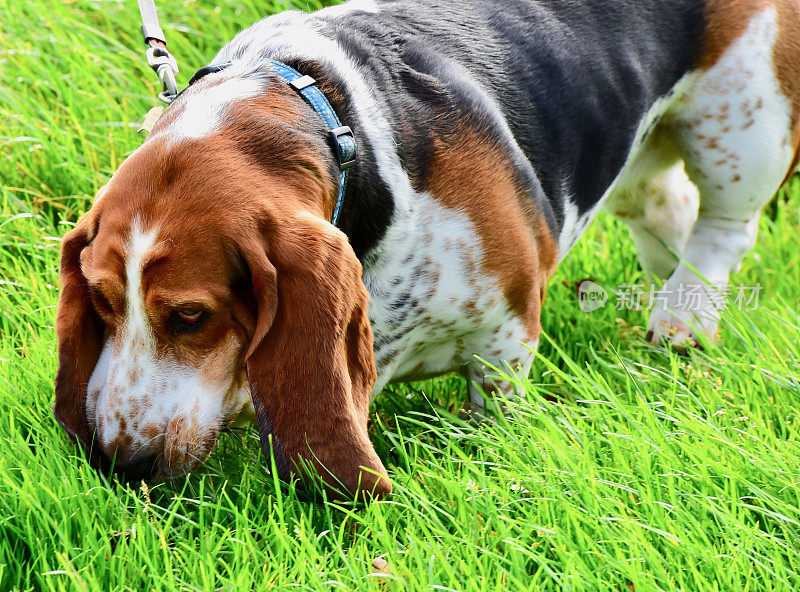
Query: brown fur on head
{"type": "Point", "coordinates": [207, 266]}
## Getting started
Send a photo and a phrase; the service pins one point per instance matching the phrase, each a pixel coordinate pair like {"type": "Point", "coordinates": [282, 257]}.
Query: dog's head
{"type": "Point", "coordinates": [206, 275]}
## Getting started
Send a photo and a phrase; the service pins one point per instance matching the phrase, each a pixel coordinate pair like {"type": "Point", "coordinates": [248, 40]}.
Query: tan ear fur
{"type": "Point", "coordinates": [310, 365]}
{"type": "Point", "coordinates": [80, 335]}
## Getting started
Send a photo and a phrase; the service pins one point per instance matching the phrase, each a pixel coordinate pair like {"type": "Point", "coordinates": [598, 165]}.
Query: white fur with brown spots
{"type": "Point", "coordinates": [730, 127]}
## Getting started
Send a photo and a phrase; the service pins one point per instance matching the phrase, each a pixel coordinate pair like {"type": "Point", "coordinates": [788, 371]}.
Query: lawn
{"type": "Point", "coordinates": [624, 466]}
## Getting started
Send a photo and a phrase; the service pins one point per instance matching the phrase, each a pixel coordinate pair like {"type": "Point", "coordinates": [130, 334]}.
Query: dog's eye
{"type": "Point", "coordinates": [187, 321]}
{"type": "Point", "coordinates": [190, 317]}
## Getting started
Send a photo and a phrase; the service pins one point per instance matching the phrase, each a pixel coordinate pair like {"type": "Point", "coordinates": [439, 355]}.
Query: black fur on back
{"type": "Point", "coordinates": [572, 79]}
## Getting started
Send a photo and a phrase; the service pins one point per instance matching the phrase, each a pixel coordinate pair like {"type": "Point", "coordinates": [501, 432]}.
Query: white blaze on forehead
{"type": "Point", "coordinates": [203, 112]}
{"type": "Point", "coordinates": [139, 245]}
{"type": "Point", "coordinates": [113, 384]}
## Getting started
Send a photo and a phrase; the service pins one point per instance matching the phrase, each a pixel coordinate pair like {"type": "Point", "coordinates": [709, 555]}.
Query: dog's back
{"type": "Point", "coordinates": [572, 79]}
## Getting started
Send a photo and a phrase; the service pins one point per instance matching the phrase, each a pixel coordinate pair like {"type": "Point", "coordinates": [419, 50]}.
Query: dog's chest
{"type": "Point", "coordinates": [432, 305]}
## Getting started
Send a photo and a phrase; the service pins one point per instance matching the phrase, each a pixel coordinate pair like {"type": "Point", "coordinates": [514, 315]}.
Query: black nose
{"type": "Point", "coordinates": [138, 469]}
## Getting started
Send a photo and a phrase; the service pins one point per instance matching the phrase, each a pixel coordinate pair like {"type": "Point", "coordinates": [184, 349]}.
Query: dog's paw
{"type": "Point", "coordinates": [681, 329]}
{"type": "Point", "coordinates": [686, 314]}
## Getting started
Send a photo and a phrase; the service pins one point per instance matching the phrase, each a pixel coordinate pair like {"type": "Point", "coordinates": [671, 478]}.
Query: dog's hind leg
{"type": "Point", "coordinates": [659, 210]}
{"type": "Point", "coordinates": [737, 135]}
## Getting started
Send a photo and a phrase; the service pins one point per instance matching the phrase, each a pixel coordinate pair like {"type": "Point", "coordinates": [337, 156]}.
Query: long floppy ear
{"type": "Point", "coordinates": [80, 335]}
{"type": "Point", "coordinates": [310, 364]}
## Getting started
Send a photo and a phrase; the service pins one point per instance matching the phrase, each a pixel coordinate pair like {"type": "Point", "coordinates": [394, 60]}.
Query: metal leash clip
{"type": "Point", "coordinates": [158, 56]}
{"type": "Point", "coordinates": [160, 60]}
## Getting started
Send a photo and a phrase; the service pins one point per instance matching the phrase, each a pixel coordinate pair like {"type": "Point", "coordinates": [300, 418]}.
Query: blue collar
{"type": "Point", "coordinates": [340, 136]}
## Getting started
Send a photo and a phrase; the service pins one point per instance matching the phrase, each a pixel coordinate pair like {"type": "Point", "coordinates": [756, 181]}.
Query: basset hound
{"type": "Point", "coordinates": [208, 285]}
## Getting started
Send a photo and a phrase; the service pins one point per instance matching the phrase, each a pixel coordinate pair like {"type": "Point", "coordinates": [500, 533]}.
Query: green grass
{"type": "Point", "coordinates": [656, 471]}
